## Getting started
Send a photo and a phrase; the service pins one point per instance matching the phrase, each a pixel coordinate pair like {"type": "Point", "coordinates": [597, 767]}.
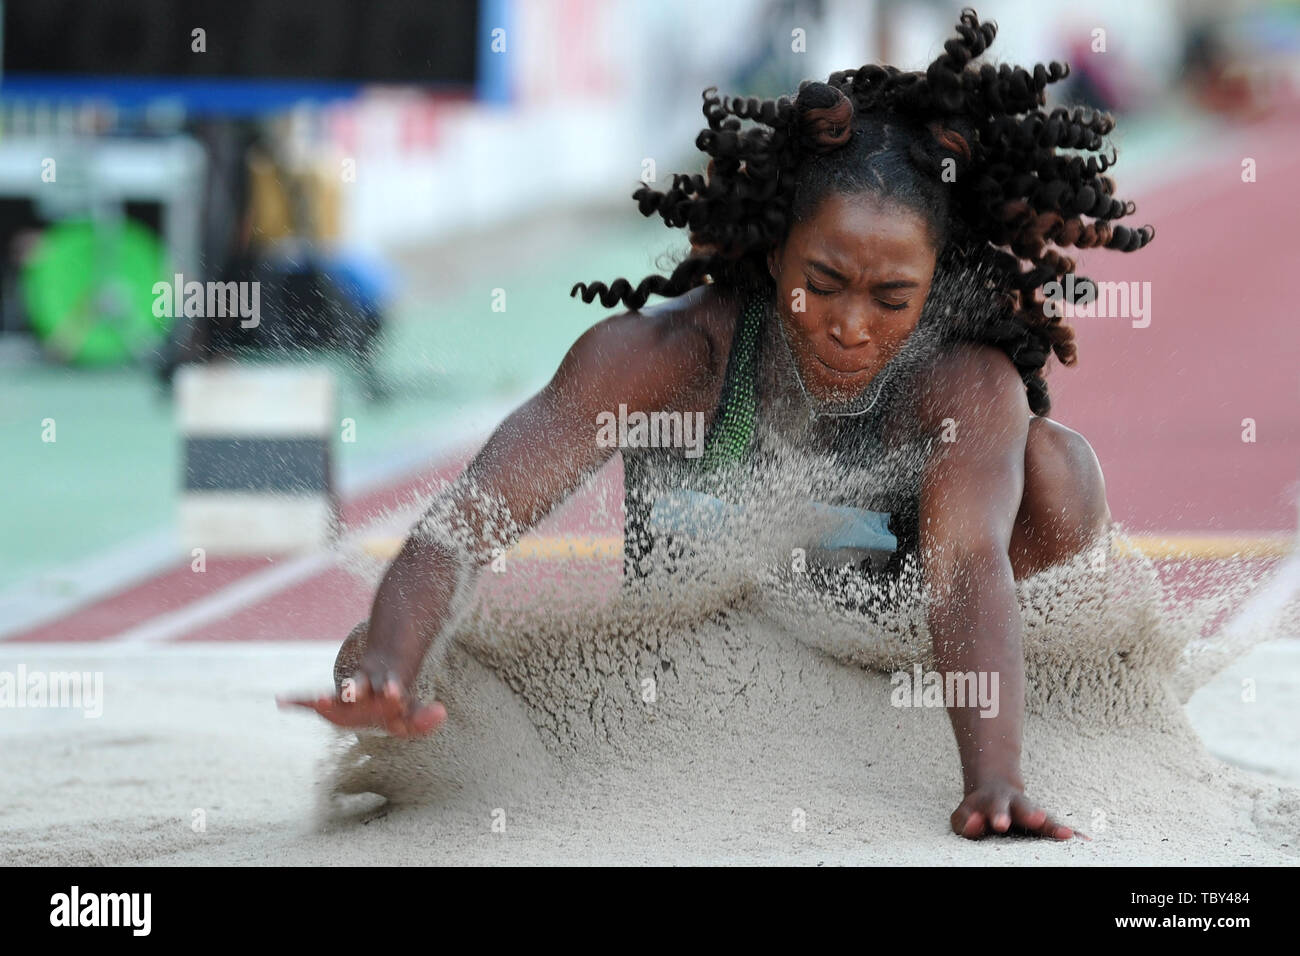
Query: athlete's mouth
{"type": "Point", "coordinates": [855, 373]}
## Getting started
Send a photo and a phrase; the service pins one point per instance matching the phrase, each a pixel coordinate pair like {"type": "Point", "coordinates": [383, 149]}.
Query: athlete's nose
{"type": "Point", "coordinates": [850, 331]}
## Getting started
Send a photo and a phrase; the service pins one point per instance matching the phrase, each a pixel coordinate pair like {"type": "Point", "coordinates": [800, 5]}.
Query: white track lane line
{"type": "Point", "coordinates": [243, 593]}
{"type": "Point", "coordinates": [255, 587]}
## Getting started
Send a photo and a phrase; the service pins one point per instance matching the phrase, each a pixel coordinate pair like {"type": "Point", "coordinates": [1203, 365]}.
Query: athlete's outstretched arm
{"type": "Point", "coordinates": [970, 496]}
{"type": "Point", "coordinates": [651, 361]}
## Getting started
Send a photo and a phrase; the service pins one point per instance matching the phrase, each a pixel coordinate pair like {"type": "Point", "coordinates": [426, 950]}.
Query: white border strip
{"type": "Point", "coordinates": [1265, 604]}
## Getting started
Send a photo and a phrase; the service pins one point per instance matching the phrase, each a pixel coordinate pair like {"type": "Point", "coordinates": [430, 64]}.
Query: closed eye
{"type": "Point", "coordinates": [891, 306]}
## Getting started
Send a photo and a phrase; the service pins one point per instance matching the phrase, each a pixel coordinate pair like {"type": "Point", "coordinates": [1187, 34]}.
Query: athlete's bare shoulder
{"type": "Point", "coordinates": [703, 316]}
{"type": "Point", "coordinates": [971, 379]}
{"type": "Point", "coordinates": [670, 352]}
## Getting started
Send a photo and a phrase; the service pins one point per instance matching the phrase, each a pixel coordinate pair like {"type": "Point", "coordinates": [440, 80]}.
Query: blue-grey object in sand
{"type": "Point", "coordinates": [836, 535]}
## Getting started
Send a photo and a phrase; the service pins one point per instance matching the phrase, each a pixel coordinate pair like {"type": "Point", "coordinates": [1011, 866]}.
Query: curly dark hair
{"type": "Point", "coordinates": [966, 146]}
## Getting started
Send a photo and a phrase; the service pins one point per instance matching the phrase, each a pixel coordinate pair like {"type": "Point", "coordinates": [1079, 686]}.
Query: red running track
{"type": "Point", "coordinates": [1163, 405]}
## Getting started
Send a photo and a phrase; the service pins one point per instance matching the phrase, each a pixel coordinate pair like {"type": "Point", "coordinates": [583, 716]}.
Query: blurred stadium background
{"type": "Point", "coordinates": [383, 167]}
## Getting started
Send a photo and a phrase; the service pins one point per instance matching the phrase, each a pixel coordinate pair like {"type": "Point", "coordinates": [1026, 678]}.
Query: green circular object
{"type": "Point", "coordinates": [89, 291]}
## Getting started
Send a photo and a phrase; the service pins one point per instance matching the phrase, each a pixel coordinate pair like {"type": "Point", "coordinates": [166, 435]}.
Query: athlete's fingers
{"type": "Point", "coordinates": [1035, 820]}
{"type": "Point", "coordinates": [308, 703]}
{"type": "Point", "coordinates": [377, 677]}
{"type": "Point", "coordinates": [427, 719]}
{"type": "Point", "coordinates": [1026, 814]}
{"type": "Point", "coordinates": [968, 822]}
{"type": "Point", "coordinates": [999, 814]}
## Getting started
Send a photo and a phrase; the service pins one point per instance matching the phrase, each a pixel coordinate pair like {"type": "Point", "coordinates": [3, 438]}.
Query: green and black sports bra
{"type": "Point", "coordinates": [650, 473]}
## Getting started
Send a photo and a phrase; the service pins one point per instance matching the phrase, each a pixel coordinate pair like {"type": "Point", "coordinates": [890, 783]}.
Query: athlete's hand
{"type": "Point", "coordinates": [357, 704]}
{"type": "Point", "coordinates": [1000, 806]}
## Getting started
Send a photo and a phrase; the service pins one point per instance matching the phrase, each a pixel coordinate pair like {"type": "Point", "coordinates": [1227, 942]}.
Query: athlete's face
{"type": "Point", "coordinates": [851, 281]}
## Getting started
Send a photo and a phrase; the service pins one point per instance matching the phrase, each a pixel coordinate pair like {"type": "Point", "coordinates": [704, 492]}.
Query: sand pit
{"type": "Point", "coordinates": [766, 733]}
{"type": "Point", "coordinates": [753, 732]}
